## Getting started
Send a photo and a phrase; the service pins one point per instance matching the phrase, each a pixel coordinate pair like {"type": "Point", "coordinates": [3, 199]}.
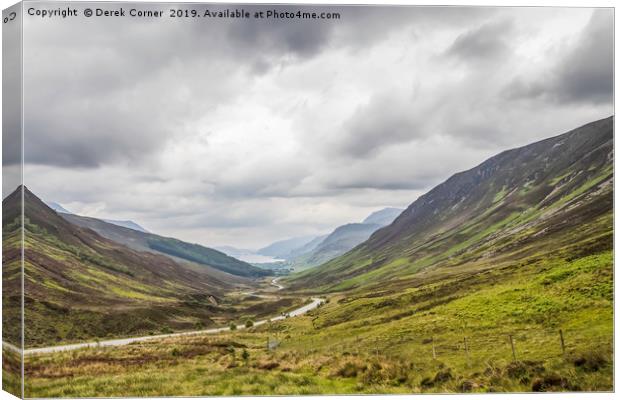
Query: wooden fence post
{"type": "Point", "coordinates": [562, 343]}
{"type": "Point", "coordinates": [466, 350]}
{"type": "Point", "coordinates": [433, 342]}
{"type": "Point", "coordinates": [512, 345]}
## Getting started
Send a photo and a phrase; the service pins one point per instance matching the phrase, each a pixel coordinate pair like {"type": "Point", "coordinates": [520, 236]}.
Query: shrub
{"type": "Point", "coordinates": [399, 373]}
{"type": "Point", "coordinates": [249, 323]}
{"type": "Point", "coordinates": [232, 326]}
{"type": "Point", "coordinates": [549, 383]}
{"type": "Point", "coordinates": [373, 374]}
{"type": "Point", "coordinates": [268, 365]}
{"type": "Point", "coordinates": [349, 370]}
{"type": "Point", "coordinates": [590, 362]}
{"type": "Point", "coordinates": [440, 377]}
{"type": "Point", "coordinates": [426, 382]}
{"type": "Point", "coordinates": [524, 370]}
{"type": "Point", "coordinates": [443, 376]}
{"type": "Point", "coordinates": [467, 386]}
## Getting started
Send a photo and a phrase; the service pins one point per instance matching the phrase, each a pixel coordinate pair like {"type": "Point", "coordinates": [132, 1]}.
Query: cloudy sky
{"type": "Point", "coordinates": [242, 132]}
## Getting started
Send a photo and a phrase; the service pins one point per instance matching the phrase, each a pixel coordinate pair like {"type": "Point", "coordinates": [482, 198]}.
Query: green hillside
{"type": "Point", "coordinates": [79, 285]}
{"type": "Point", "coordinates": [534, 200]}
{"type": "Point", "coordinates": [182, 251]}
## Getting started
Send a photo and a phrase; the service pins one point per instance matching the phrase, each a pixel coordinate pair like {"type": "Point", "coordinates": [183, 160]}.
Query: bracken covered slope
{"type": "Point", "coordinates": [80, 285]}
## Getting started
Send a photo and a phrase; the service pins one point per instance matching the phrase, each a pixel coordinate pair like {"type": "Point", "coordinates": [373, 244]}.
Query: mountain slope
{"type": "Point", "coordinates": [282, 248]}
{"type": "Point", "coordinates": [383, 217]}
{"type": "Point", "coordinates": [145, 241]}
{"type": "Point", "coordinates": [342, 239]}
{"type": "Point", "coordinates": [57, 207]}
{"type": "Point", "coordinates": [80, 285]}
{"type": "Point", "coordinates": [126, 224]}
{"type": "Point", "coordinates": [307, 248]}
{"type": "Point", "coordinates": [541, 198]}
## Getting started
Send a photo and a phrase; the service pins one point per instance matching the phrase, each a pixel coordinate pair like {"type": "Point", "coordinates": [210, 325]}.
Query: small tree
{"type": "Point", "coordinates": [232, 326]}
{"type": "Point", "coordinates": [249, 323]}
{"type": "Point", "coordinates": [245, 355]}
{"type": "Point", "coordinates": [233, 356]}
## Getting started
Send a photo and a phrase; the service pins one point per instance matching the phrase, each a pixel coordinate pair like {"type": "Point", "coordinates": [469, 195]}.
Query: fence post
{"type": "Point", "coordinates": [433, 342]}
{"type": "Point", "coordinates": [466, 350]}
{"type": "Point", "coordinates": [562, 343]}
{"type": "Point", "coordinates": [512, 345]}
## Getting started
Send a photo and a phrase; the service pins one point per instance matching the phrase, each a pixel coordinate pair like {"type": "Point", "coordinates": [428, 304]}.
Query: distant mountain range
{"type": "Point", "coordinates": [127, 224]}
{"type": "Point", "coordinates": [57, 207]}
{"type": "Point", "coordinates": [545, 197]}
{"type": "Point", "coordinates": [282, 249]}
{"type": "Point", "coordinates": [309, 251]}
{"type": "Point", "coordinates": [383, 217]}
{"type": "Point", "coordinates": [342, 239]}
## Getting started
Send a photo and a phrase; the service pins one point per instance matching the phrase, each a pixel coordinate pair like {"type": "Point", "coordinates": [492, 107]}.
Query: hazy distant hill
{"type": "Point", "coordinates": [283, 248]}
{"type": "Point", "coordinates": [343, 239]}
{"type": "Point", "coordinates": [383, 217]}
{"type": "Point", "coordinates": [306, 248]}
{"type": "Point", "coordinates": [543, 197]}
{"type": "Point", "coordinates": [57, 207]}
{"type": "Point", "coordinates": [127, 224]}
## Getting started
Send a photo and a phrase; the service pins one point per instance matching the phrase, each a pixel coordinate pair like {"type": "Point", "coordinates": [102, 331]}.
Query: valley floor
{"type": "Point", "coordinates": [453, 335]}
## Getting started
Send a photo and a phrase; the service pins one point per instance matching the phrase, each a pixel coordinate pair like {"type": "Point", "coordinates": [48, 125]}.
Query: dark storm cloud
{"type": "Point", "coordinates": [94, 100]}
{"type": "Point", "coordinates": [385, 121]}
{"type": "Point", "coordinates": [300, 38]}
{"type": "Point", "coordinates": [583, 75]}
{"type": "Point", "coordinates": [105, 91]}
{"type": "Point", "coordinates": [587, 73]}
{"type": "Point", "coordinates": [391, 183]}
{"type": "Point", "coordinates": [484, 43]}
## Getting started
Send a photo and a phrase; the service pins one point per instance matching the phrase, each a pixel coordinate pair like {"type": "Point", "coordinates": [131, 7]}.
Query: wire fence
{"type": "Point", "coordinates": [514, 345]}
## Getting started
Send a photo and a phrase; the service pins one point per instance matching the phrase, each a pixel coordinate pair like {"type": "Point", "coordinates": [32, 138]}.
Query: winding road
{"type": "Point", "coordinates": [121, 342]}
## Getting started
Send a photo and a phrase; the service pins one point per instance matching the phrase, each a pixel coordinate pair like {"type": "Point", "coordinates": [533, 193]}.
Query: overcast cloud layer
{"type": "Point", "coordinates": [245, 132]}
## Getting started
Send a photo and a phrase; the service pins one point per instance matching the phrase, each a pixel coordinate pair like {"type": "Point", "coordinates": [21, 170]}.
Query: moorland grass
{"type": "Point", "coordinates": [381, 343]}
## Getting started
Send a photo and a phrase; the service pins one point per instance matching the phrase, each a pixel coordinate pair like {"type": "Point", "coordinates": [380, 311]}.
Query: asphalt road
{"type": "Point", "coordinates": [121, 342]}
